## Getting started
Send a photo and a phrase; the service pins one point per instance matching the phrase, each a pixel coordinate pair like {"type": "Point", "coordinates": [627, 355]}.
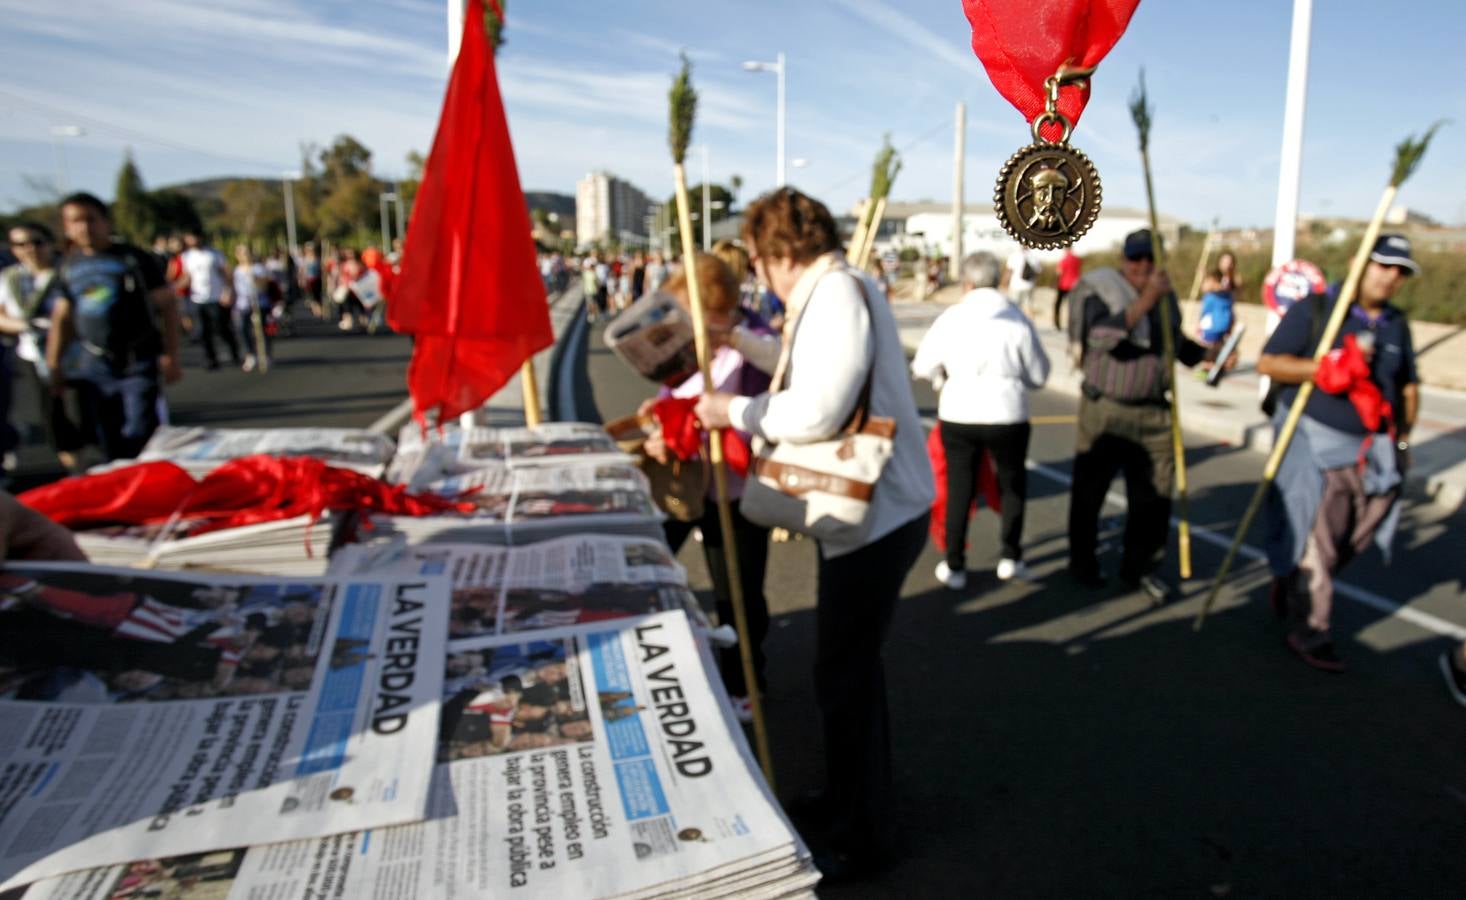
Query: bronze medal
{"type": "Point", "coordinates": [1048, 193]}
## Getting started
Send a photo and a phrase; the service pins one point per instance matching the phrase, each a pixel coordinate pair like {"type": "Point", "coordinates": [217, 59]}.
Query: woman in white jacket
{"type": "Point", "coordinates": [839, 336]}
{"type": "Point", "coordinates": [984, 356]}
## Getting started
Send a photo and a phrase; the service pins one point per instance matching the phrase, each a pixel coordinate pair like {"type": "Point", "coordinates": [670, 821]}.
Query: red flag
{"type": "Point", "coordinates": [470, 288]}
{"type": "Point", "coordinates": [1021, 43]}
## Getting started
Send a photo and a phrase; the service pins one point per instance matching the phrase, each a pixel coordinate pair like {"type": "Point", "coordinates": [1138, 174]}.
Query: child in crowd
{"type": "Point", "coordinates": [1216, 319]}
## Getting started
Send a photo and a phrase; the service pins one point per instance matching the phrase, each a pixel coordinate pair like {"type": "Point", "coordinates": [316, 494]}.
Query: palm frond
{"type": "Point", "coordinates": [1409, 152]}
{"type": "Point", "coordinates": [494, 23]}
{"type": "Point", "coordinates": [1140, 111]}
{"type": "Point", "coordinates": [883, 172]}
{"type": "Point", "coordinates": [682, 109]}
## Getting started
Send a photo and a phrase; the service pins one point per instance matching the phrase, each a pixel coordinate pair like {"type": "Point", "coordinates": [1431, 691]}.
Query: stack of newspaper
{"type": "Point", "coordinates": [422, 460]}
{"type": "Point", "coordinates": [289, 547]}
{"type": "Point", "coordinates": [233, 737]}
{"type": "Point", "coordinates": [527, 504]}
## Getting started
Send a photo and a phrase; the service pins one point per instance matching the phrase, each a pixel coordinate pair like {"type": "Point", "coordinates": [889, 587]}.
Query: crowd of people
{"type": "Point", "coordinates": [838, 358]}
{"type": "Point", "coordinates": [95, 325]}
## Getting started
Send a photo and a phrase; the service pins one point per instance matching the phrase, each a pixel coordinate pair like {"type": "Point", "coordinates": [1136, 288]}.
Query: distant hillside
{"type": "Point", "coordinates": [549, 201]}
{"type": "Point", "coordinates": [211, 188]}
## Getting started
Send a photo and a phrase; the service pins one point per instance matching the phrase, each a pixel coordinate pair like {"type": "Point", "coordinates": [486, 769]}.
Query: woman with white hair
{"type": "Point", "coordinates": [984, 355]}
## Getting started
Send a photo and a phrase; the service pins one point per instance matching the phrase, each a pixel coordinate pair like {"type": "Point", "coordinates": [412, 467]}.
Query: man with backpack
{"type": "Point", "coordinates": [1339, 484]}
{"type": "Point", "coordinates": [114, 305]}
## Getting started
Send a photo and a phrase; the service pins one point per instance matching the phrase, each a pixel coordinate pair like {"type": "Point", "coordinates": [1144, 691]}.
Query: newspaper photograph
{"type": "Point", "coordinates": [202, 449]}
{"type": "Point", "coordinates": [146, 715]}
{"type": "Point", "coordinates": [654, 336]}
{"type": "Point", "coordinates": [565, 496]}
{"type": "Point", "coordinates": [595, 761]}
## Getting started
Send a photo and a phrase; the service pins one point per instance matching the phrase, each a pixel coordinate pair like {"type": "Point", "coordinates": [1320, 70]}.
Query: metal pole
{"type": "Point", "coordinates": [958, 154]}
{"type": "Point", "coordinates": [1285, 220]}
{"type": "Point", "coordinates": [782, 179]}
{"type": "Point", "coordinates": [290, 217]}
{"type": "Point", "coordinates": [707, 205]}
{"type": "Point", "coordinates": [401, 213]}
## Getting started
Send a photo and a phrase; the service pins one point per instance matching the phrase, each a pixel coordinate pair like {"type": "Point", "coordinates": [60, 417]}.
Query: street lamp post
{"type": "Point", "coordinates": [288, 182]}
{"type": "Point", "coordinates": [383, 200]}
{"type": "Point", "coordinates": [777, 67]}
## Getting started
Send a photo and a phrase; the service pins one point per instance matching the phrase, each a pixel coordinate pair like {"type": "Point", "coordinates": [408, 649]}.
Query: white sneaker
{"type": "Point", "coordinates": [1009, 569]}
{"type": "Point", "coordinates": [249, 362]}
{"type": "Point", "coordinates": [955, 581]}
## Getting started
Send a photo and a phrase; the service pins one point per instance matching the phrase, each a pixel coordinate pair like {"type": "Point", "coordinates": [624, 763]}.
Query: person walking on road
{"type": "Point", "coordinates": [251, 305]}
{"type": "Point", "coordinates": [208, 282]}
{"type": "Point", "coordinates": [1023, 271]}
{"type": "Point", "coordinates": [1338, 488]}
{"type": "Point", "coordinates": [1125, 414]}
{"type": "Point", "coordinates": [842, 335]}
{"type": "Point", "coordinates": [984, 355]}
{"type": "Point", "coordinates": [26, 302]}
{"type": "Point", "coordinates": [111, 298]}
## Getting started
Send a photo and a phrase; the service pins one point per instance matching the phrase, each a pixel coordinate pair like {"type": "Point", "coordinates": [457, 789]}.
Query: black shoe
{"type": "Point", "coordinates": [813, 810]}
{"type": "Point", "coordinates": [1455, 678]}
{"type": "Point", "coordinates": [1317, 649]}
{"type": "Point", "coordinates": [211, 366]}
{"type": "Point", "coordinates": [1087, 578]}
{"type": "Point", "coordinates": [1157, 589]}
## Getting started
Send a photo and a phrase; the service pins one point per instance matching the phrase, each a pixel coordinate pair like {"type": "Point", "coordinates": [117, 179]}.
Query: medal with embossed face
{"type": "Point", "coordinates": [1048, 193]}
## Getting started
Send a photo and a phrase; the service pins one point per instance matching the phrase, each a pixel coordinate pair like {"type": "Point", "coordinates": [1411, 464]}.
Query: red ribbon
{"type": "Point", "coordinates": [1344, 370]}
{"type": "Point", "coordinates": [683, 434]}
{"type": "Point", "coordinates": [1023, 42]}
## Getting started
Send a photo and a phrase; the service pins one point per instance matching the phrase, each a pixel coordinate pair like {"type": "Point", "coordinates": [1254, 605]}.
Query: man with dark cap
{"type": "Point", "coordinates": [1338, 487]}
{"type": "Point", "coordinates": [1125, 413]}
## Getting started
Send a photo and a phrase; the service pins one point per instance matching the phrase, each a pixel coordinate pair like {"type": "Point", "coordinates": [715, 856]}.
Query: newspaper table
{"type": "Point", "coordinates": [564, 581]}
{"type": "Point", "coordinates": [594, 761]}
{"type": "Point", "coordinates": [145, 715]}
{"type": "Point", "coordinates": [201, 450]}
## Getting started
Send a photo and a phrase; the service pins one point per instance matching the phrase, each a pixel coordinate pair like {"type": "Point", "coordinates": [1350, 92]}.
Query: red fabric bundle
{"type": "Point", "coordinates": [683, 434]}
{"type": "Point", "coordinates": [1344, 370]}
{"type": "Point", "coordinates": [245, 491]}
{"type": "Point", "coordinates": [987, 487]}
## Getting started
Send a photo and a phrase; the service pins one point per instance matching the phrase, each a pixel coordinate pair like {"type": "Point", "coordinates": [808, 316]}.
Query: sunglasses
{"type": "Point", "coordinates": [27, 243]}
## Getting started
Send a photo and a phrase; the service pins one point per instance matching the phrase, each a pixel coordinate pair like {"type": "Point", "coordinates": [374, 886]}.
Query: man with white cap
{"type": "Point", "coordinates": [1339, 484]}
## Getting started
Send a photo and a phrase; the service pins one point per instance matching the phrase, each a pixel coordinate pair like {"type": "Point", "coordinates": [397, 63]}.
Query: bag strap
{"type": "Point", "coordinates": [860, 415]}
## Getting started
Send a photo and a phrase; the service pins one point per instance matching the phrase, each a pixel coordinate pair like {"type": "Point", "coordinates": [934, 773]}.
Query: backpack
{"type": "Point", "coordinates": [1318, 319]}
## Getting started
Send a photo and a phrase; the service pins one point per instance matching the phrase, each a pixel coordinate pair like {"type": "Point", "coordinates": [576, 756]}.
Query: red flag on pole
{"type": "Point", "coordinates": [470, 288]}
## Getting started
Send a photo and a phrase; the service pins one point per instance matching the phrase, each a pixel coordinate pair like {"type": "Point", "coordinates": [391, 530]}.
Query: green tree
{"type": "Point", "coordinates": [345, 159]}
{"type": "Point", "coordinates": [494, 24]}
{"type": "Point", "coordinates": [132, 215]}
{"type": "Point", "coordinates": [408, 187]}
{"type": "Point", "coordinates": [722, 205]}
{"type": "Point", "coordinates": [253, 208]}
{"type": "Point", "coordinates": [736, 183]}
{"type": "Point", "coordinates": [173, 212]}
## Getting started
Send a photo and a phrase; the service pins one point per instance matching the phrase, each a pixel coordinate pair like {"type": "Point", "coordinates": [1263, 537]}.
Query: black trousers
{"type": "Point", "coordinates": [1134, 441]}
{"type": "Point", "coordinates": [753, 562]}
{"type": "Point", "coordinates": [62, 433]}
{"type": "Point", "coordinates": [214, 319]}
{"type": "Point", "coordinates": [964, 446]}
{"type": "Point", "coordinates": [857, 596]}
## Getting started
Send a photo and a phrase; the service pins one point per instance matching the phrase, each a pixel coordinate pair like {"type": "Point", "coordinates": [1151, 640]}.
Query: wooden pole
{"type": "Point", "coordinates": [1168, 345]}
{"type": "Point", "coordinates": [871, 232]}
{"type": "Point", "coordinates": [720, 479]}
{"type": "Point", "coordinates": [1201, 264]}
{"type": "Point", "coordinates": [530, 386]}
{"type": "Point", "coordinates": [857, 239]}
{"type": "Point", "coordinates": [1305, 390]}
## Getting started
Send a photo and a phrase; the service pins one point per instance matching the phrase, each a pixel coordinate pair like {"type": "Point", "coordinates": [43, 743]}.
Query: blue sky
{"type": "Point", "coordinates": [234, 86]}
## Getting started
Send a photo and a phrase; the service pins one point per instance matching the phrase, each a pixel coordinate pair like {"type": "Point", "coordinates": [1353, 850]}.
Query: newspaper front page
{"type": "Point", "coordinates": [203, 449]}
{"type": "Point", "coordinates": [145, 715]}
{"type": "Point", "coordinates": [593, 761]}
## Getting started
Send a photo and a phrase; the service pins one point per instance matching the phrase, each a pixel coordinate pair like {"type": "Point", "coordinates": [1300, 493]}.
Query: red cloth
{"type": "Point", "coordinates": [683, 434]}
{"type": "Point", "coordinates": [245, 491]}
{"type": "Point", "coordinates": [470, 287]}
{"type": "Point", "coordinates": [1344, 370]}
{"type": "Point", "coordinates": [373, 259]}
{"type": "Point", "coordinates": [1022, 42]}
{"type": "Point", "coordinates": [987, 487]}
{"type": "Point", "coordinates": [1069, 268]}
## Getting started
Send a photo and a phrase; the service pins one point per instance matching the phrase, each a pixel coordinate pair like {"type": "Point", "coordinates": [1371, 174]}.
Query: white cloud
{"type": "Point", "coordinates": [892, 21]}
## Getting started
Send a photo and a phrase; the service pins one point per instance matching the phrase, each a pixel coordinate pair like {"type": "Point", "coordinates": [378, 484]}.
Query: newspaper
{"type": "Point", "coordinates": [548, 443]}
{"type": "Point", "coordinates": [594, 761]}
{"type": "Point", "coordinates": [565, 581]}
{"type": "Point", "coordinates": [567, 495]}
{"type": "Point", "coordinates": [204, 449]}
{"type": "Point", "coordinates": [146, 715]}
{"type": "Point", "coordinates": [654, 336]}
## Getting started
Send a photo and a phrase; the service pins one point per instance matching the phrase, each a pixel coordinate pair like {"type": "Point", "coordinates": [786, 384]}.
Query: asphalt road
{"type": "Point", "coordinates": [1055, 742]}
